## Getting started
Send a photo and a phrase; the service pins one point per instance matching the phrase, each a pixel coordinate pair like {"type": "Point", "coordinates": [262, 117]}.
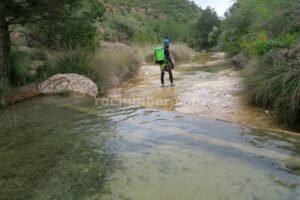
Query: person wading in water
{"type": "Point", "coordinates": [163, 58]}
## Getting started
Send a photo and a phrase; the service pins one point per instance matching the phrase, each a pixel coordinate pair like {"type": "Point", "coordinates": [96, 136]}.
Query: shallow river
{"type": "Point", "coordinates": [207, 86]}
{"type": "Point", "coordinates": [63, 148]}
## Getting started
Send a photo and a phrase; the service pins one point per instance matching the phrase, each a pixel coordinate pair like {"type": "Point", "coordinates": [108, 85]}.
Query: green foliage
{"type": "Point", "coordinates": [74, 34]}
{"type": "Point", "coordinates": [257, 26]}
{"type": "Point", "coordinates": [207, 29]}
{"type": "Point", "coordinates": [261, 44]}
{"type": "Point", "coordinates": [21, 62]}
{"type": "Point", "coordinates": [52, 23]}
{"type": "Point", "coordinates": [234, 27]}
{"type": "Point", "coordinates": [274, 82]}
{"type": "Point", "coordinates": [23, 12]}
{"type": "Point", "coordinates": [28, 11]}
{"type": "Point", "coordinates": [213, 36]}
{"type": "Point", "coordinates": [148, 21]}
{"type": "Point", "coordinates": [79, 29]}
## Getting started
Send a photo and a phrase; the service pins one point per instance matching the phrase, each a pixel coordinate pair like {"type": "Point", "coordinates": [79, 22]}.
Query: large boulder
{"type": "Point", "coordinates": [240, 61]}
{"type": "Point", "coordinates": [72, 83]}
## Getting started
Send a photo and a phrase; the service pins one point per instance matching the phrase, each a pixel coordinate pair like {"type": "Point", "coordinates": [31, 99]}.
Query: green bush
{"type": "Point", "coordinates": [261, 44]}
{"type": "Point", "coordinates": [257, 26]}
{"type": "Point", "coordinates": [274, 82]}
{"type": "Point", "coordinates": [21, 62]}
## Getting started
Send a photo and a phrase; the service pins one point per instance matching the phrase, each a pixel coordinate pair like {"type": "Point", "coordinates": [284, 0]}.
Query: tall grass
{"type": "Point", "coordinates": [274, 82]}
{"type": "Point", "coordinates": [67, 61]}
{"type": "Point", "coordinates": [107, 67]}
{"type": "Point", "coordinates": [112, 64]}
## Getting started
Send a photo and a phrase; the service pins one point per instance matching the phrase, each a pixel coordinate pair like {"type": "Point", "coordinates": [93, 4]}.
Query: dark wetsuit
{"type": "Point", "coordinates": [167, 66]}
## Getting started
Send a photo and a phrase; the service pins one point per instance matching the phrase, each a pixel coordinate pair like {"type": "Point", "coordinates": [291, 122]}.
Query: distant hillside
{"type": "Point", "coordinates": [144, 21]}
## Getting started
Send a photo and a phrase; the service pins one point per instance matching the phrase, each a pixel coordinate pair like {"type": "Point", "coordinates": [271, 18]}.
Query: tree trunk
{"type": "Point", "coordinates": [5, 72]}
{"type": "Point", "coordinates": [22, 93]}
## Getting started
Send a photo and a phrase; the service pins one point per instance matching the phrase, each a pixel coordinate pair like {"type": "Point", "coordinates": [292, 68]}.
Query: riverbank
{"type": "Point", "coordinates": [112, 64]}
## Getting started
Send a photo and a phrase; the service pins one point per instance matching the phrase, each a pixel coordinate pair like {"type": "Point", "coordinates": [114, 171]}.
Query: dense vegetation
{"type": "Point", "coordinates": [257, 26]}
{"type": "Point", "coordinates": [206, 30]}
{"type": "Point", "coordinates": [148, 21]}
{"type": "Point", "coordinates": [267, 32]}
{"type": "Point", "coordinates": [53, 24]}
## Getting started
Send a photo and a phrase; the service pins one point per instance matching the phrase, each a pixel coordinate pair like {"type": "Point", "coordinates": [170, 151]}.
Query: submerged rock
{"type": "Point", "coordinates": [73, 84]}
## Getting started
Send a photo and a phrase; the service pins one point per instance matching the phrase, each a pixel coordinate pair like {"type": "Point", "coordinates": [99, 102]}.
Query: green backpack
{"type": "Point", "coordinates": [159, 55]}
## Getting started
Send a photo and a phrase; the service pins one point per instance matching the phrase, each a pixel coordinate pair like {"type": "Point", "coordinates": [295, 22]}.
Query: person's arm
{"type": "Point", "coordinates": [168, 57]}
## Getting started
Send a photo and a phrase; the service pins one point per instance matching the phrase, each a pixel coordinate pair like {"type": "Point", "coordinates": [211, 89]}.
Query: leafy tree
{"type": "Point", "coordinates": [213, 36]}
{"type": "Point", "coordinates": [204, 26]}
{"type": "Point", "coordinates": [25, 12]}
{"type": "Point", "coordinates": [246, 20]}
{"type": "Point", "coordinates": [235, 26]}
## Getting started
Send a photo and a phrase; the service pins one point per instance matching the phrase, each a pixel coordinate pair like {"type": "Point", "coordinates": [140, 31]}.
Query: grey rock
{"type": "Point", "coordinates": [240, 61]}
{"type": "Point", "coordinates": [75, 84]}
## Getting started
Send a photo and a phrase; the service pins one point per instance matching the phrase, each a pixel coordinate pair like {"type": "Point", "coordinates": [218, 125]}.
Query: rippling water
{"type": "Point", "coordinates": [54, 148]}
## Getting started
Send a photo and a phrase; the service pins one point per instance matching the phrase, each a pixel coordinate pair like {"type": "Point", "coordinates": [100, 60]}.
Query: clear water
{"type": "Point", "coordinates": [61, 148]}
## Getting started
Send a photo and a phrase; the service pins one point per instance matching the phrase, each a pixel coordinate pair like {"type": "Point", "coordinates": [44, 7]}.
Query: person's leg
{"type": "Point", "coordinates": [171, 76]}
{"type": "Point", "coordinates": [170, 73]}
{"type": "Point", "coordinates": [162, 75]}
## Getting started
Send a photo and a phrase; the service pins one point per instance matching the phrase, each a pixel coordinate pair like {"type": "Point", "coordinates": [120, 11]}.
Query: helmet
{"type": "Point", "coordinates": [166, 42]}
